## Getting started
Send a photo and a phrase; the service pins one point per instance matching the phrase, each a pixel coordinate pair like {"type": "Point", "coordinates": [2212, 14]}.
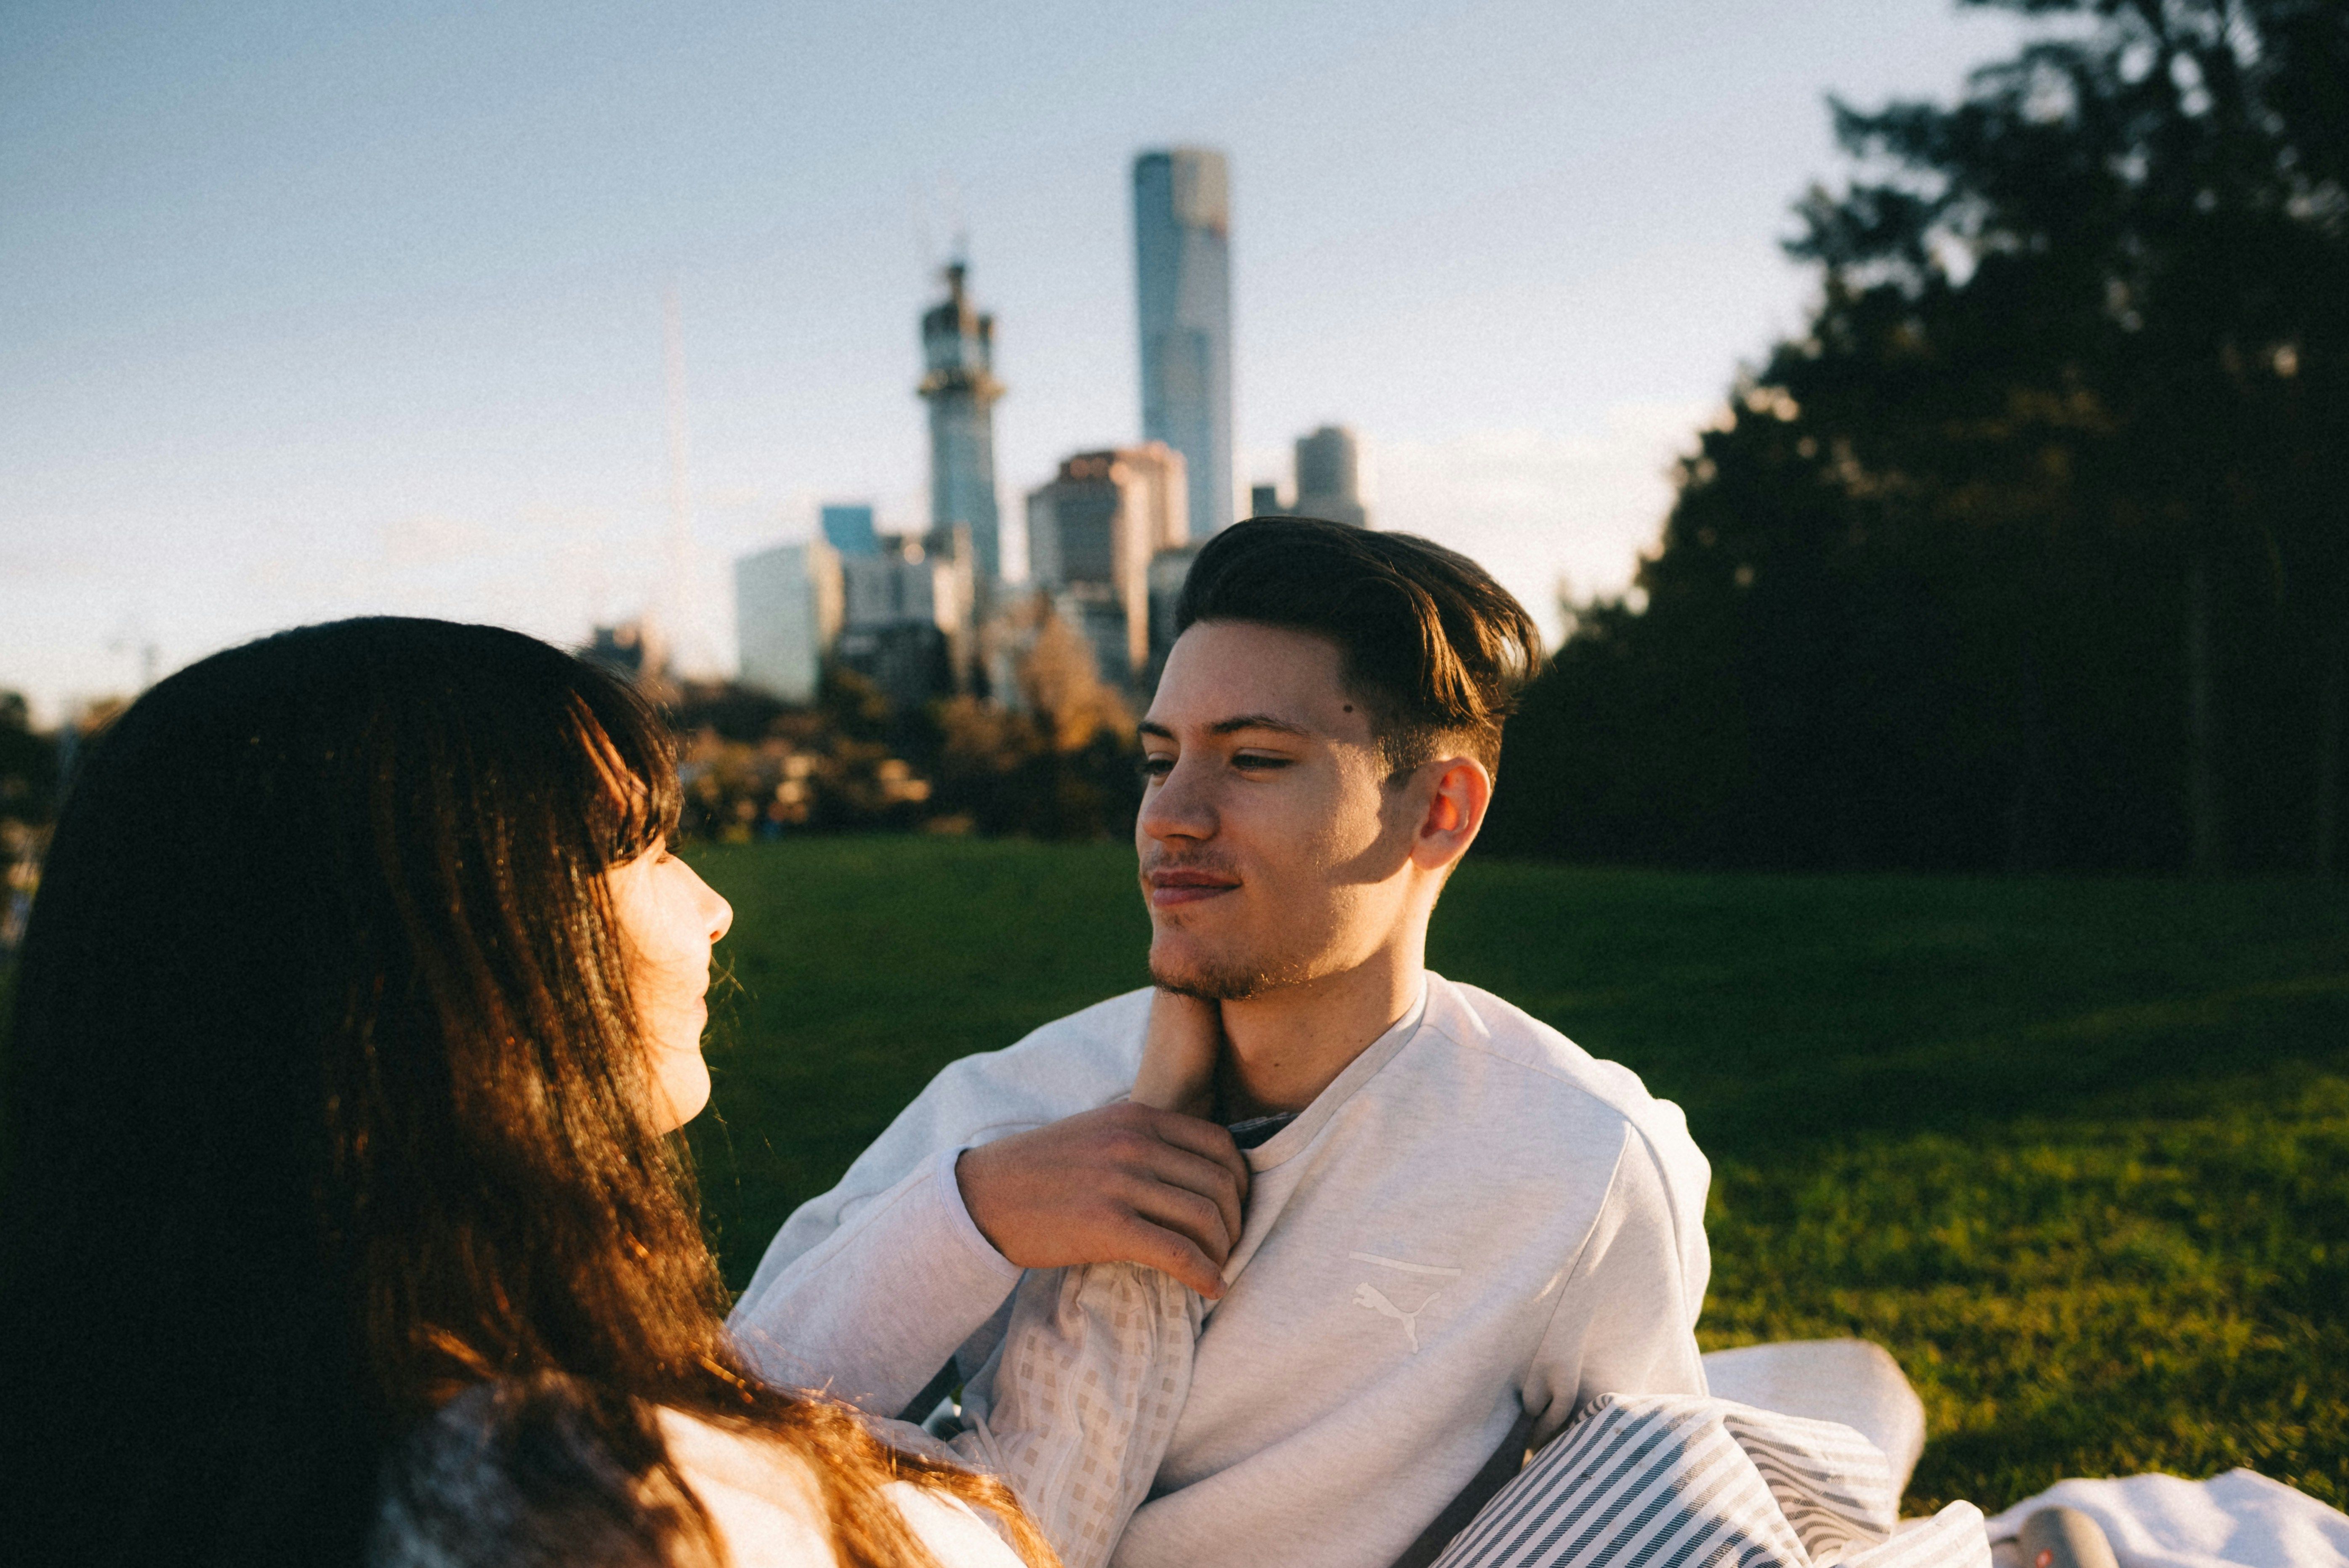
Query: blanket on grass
{"type": "Point", "coordinates": [2238, 1520]}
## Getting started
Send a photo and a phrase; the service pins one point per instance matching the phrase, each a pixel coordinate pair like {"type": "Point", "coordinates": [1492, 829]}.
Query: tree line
{"type": "Point", "coordinates": [1053, 758]}
{"type": "Point", "coordinates": [2032, 552]}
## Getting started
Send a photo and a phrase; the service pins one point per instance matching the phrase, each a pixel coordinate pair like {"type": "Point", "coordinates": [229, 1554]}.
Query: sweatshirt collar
{"type": "Point", "coordinates": [1285, 1143]}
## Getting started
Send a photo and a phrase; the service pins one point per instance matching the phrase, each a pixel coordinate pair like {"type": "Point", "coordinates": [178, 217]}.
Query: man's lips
{"type": "Point", "coordinates": [1169, 887]}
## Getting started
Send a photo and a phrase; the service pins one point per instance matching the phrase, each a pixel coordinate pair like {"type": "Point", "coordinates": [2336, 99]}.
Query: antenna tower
{"type": "Point", "coordinates": [666, 629]}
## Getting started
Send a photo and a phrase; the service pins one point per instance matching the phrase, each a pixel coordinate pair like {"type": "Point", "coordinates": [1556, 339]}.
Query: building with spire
{"type": "Point", "coordinates": [1181, 232]}
{"type": "Point", "coordinates": [958, 384]}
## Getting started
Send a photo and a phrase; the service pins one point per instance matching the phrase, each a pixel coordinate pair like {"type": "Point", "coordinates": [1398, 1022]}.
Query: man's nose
{"type": "Point", "coordinates": [1181, 805]}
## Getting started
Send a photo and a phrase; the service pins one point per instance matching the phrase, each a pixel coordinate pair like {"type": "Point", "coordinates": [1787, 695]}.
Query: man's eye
{"type": "Point", "coordinates": [1258, 762]}
{"type": "Point", "coordinates": [1158, 767]}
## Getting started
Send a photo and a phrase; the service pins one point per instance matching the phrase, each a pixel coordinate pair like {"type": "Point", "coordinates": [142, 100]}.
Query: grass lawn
{"type": "Point", "coordinates": [2077, 1152]}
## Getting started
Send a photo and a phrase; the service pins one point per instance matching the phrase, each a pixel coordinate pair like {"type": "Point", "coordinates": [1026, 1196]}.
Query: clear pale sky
{"type": "Point", "coordinates": [306, 312]}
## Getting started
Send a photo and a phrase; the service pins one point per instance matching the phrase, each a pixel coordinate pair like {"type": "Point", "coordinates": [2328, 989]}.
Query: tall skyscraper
{"type": "Point", "coordinates": [1328, 478]}
{"type": "Point", "coordinates": [959, 384]}
{"type": "Point", "coordinates": [1182, 232]}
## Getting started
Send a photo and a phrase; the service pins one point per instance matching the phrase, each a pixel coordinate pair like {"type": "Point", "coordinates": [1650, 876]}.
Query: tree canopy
{"type": "Point", "coordinates": [2032, 551]}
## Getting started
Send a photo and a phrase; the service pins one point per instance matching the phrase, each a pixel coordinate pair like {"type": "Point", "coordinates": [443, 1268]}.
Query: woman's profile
{"type": "Point", "coordinates": [341, 1222]}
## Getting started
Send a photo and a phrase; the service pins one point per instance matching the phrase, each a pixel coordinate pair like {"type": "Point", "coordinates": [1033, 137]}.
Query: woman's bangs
{"type": "Point", "coordinates": [634, 807]}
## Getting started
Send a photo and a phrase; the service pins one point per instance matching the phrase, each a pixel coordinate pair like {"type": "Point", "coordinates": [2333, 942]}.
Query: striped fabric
{"type": "Point", "coordinates": [1952, 1537]}
{"type": "Point", "coordinates": [1832, 1484]}
{"type": "Point", "coordinates": [1662, 1480]}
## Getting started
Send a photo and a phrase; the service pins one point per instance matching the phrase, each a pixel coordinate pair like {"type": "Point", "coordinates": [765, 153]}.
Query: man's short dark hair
{"type": "Point", "coordinates": [1434, 649]}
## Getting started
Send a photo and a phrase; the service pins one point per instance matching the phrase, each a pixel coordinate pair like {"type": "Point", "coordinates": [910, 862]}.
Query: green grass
{"type": "Point", "coordinates": [2077, 1152]}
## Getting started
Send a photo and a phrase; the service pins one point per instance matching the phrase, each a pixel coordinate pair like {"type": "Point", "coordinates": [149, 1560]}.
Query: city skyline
{"type": "Point", "coordinates": [318, 315]}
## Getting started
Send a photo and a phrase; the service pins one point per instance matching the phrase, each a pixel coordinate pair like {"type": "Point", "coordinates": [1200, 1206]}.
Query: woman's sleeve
{"type": "Point", "coordinates": [1077, 1406]}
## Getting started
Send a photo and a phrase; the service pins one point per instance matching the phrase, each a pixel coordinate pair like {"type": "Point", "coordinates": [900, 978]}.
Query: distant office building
{"type": "Point", "coordinates": [1092, 532]}
{"type": "Point", "coordinates": [1263, 500]}
{"type": "Point", "coordinates": [1328, 478]}
{"type": "Point", "coordinates": [906, 615]}
{"type": "Point", "coordinates": [959, 384]}
{"type": "Point", "coordinates": [619, 649]}
{"type": "Point", "coordinates": [899, 614]}
{"type": "Point", "coordinates": [787, 610]}
{"type": "Point", "coordinates": [848, 528]}
{"type": "Point", "coordinates": [1182, 227]}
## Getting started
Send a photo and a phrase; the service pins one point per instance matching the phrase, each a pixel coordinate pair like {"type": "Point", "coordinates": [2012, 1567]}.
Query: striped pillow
{"type": "Point", "coordinates": [1679, 1480]}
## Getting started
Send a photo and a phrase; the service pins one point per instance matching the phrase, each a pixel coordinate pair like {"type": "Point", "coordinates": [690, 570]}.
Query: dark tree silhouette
{"type": "Point", "coordinates": [2034, 551]}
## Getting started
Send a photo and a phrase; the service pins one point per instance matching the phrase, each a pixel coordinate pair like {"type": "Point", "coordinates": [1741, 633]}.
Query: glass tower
{"type": "Point", "coordinates": [1182, 229]}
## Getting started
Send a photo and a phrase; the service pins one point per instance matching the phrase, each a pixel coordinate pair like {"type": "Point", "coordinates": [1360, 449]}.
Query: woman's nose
{"type": "Point", "coordinates": [715, 909]}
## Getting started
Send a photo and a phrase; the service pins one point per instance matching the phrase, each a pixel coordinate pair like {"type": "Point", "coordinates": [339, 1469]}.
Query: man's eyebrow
{"type": "Point", "coordinates": [1234, 725]}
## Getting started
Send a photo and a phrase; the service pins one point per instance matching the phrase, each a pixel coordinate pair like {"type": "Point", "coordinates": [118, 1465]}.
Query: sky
{"type": "Point", "coordinates": [313, 311]}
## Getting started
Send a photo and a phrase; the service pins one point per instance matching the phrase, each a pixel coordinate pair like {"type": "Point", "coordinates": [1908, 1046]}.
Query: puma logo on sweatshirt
{"type": "Point", "coordinates": [1371, 1296]}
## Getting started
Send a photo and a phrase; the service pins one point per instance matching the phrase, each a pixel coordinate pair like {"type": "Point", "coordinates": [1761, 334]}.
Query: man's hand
{"type": "Point", "coordinates": [1127, 1184]}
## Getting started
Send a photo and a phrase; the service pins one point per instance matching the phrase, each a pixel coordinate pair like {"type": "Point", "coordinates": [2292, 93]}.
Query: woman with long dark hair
{"type": "Point", "coordinates": [341, 1220]}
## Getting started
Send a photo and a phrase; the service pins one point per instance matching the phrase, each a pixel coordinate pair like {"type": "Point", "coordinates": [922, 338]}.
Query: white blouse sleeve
{"type": "Point", "coordinates": [1077, 1406]}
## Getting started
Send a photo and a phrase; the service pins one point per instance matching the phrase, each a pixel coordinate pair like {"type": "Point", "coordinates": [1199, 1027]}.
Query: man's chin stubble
{"type": "Point", "coordinates": [1208, 985]}
{"type": "Point", "coordinates": [1211, 982]}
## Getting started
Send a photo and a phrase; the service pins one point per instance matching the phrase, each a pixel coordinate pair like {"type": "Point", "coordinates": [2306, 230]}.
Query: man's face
{"type": "Point", "coordinates": [1273, 850]}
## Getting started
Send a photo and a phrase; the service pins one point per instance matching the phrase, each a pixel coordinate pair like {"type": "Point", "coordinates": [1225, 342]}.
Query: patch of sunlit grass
{"type": "Point", "coordinates": [2073, 1297]}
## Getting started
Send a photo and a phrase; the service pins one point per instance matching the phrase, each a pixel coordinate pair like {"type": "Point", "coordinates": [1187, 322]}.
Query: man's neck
{"type": "Point", "coordinates": [1288, 1044]}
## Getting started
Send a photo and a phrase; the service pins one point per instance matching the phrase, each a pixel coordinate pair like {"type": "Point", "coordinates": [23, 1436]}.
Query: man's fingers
{"type": "Point", "coordinates": [1173, 1254]}
{"type": "Point", "coordinates": [1122, 1182]}
{"type": "Point", "coordinates": [1196, 1174]}
{"type": "Point", "coordinates": [1204, 1139]}
{"type": "Point", "coordinates": [1187, 1213]}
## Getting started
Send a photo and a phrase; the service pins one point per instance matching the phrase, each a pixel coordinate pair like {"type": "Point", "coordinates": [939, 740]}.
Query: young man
{"type": "Point", "coordinates": [1458, 1227]}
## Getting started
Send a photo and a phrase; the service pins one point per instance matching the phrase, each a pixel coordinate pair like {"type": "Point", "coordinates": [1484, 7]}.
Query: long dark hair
{"type": "Point", "coordinates": [328, 1102]}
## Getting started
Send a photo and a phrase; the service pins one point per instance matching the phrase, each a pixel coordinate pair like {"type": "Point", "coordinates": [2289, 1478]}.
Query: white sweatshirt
{"type": "Point", "coordinates": [1475, 1218]}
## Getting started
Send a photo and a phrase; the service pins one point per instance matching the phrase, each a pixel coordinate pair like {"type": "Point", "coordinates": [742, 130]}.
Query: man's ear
{"type": "Point", "coordinates": [1456, 804]}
